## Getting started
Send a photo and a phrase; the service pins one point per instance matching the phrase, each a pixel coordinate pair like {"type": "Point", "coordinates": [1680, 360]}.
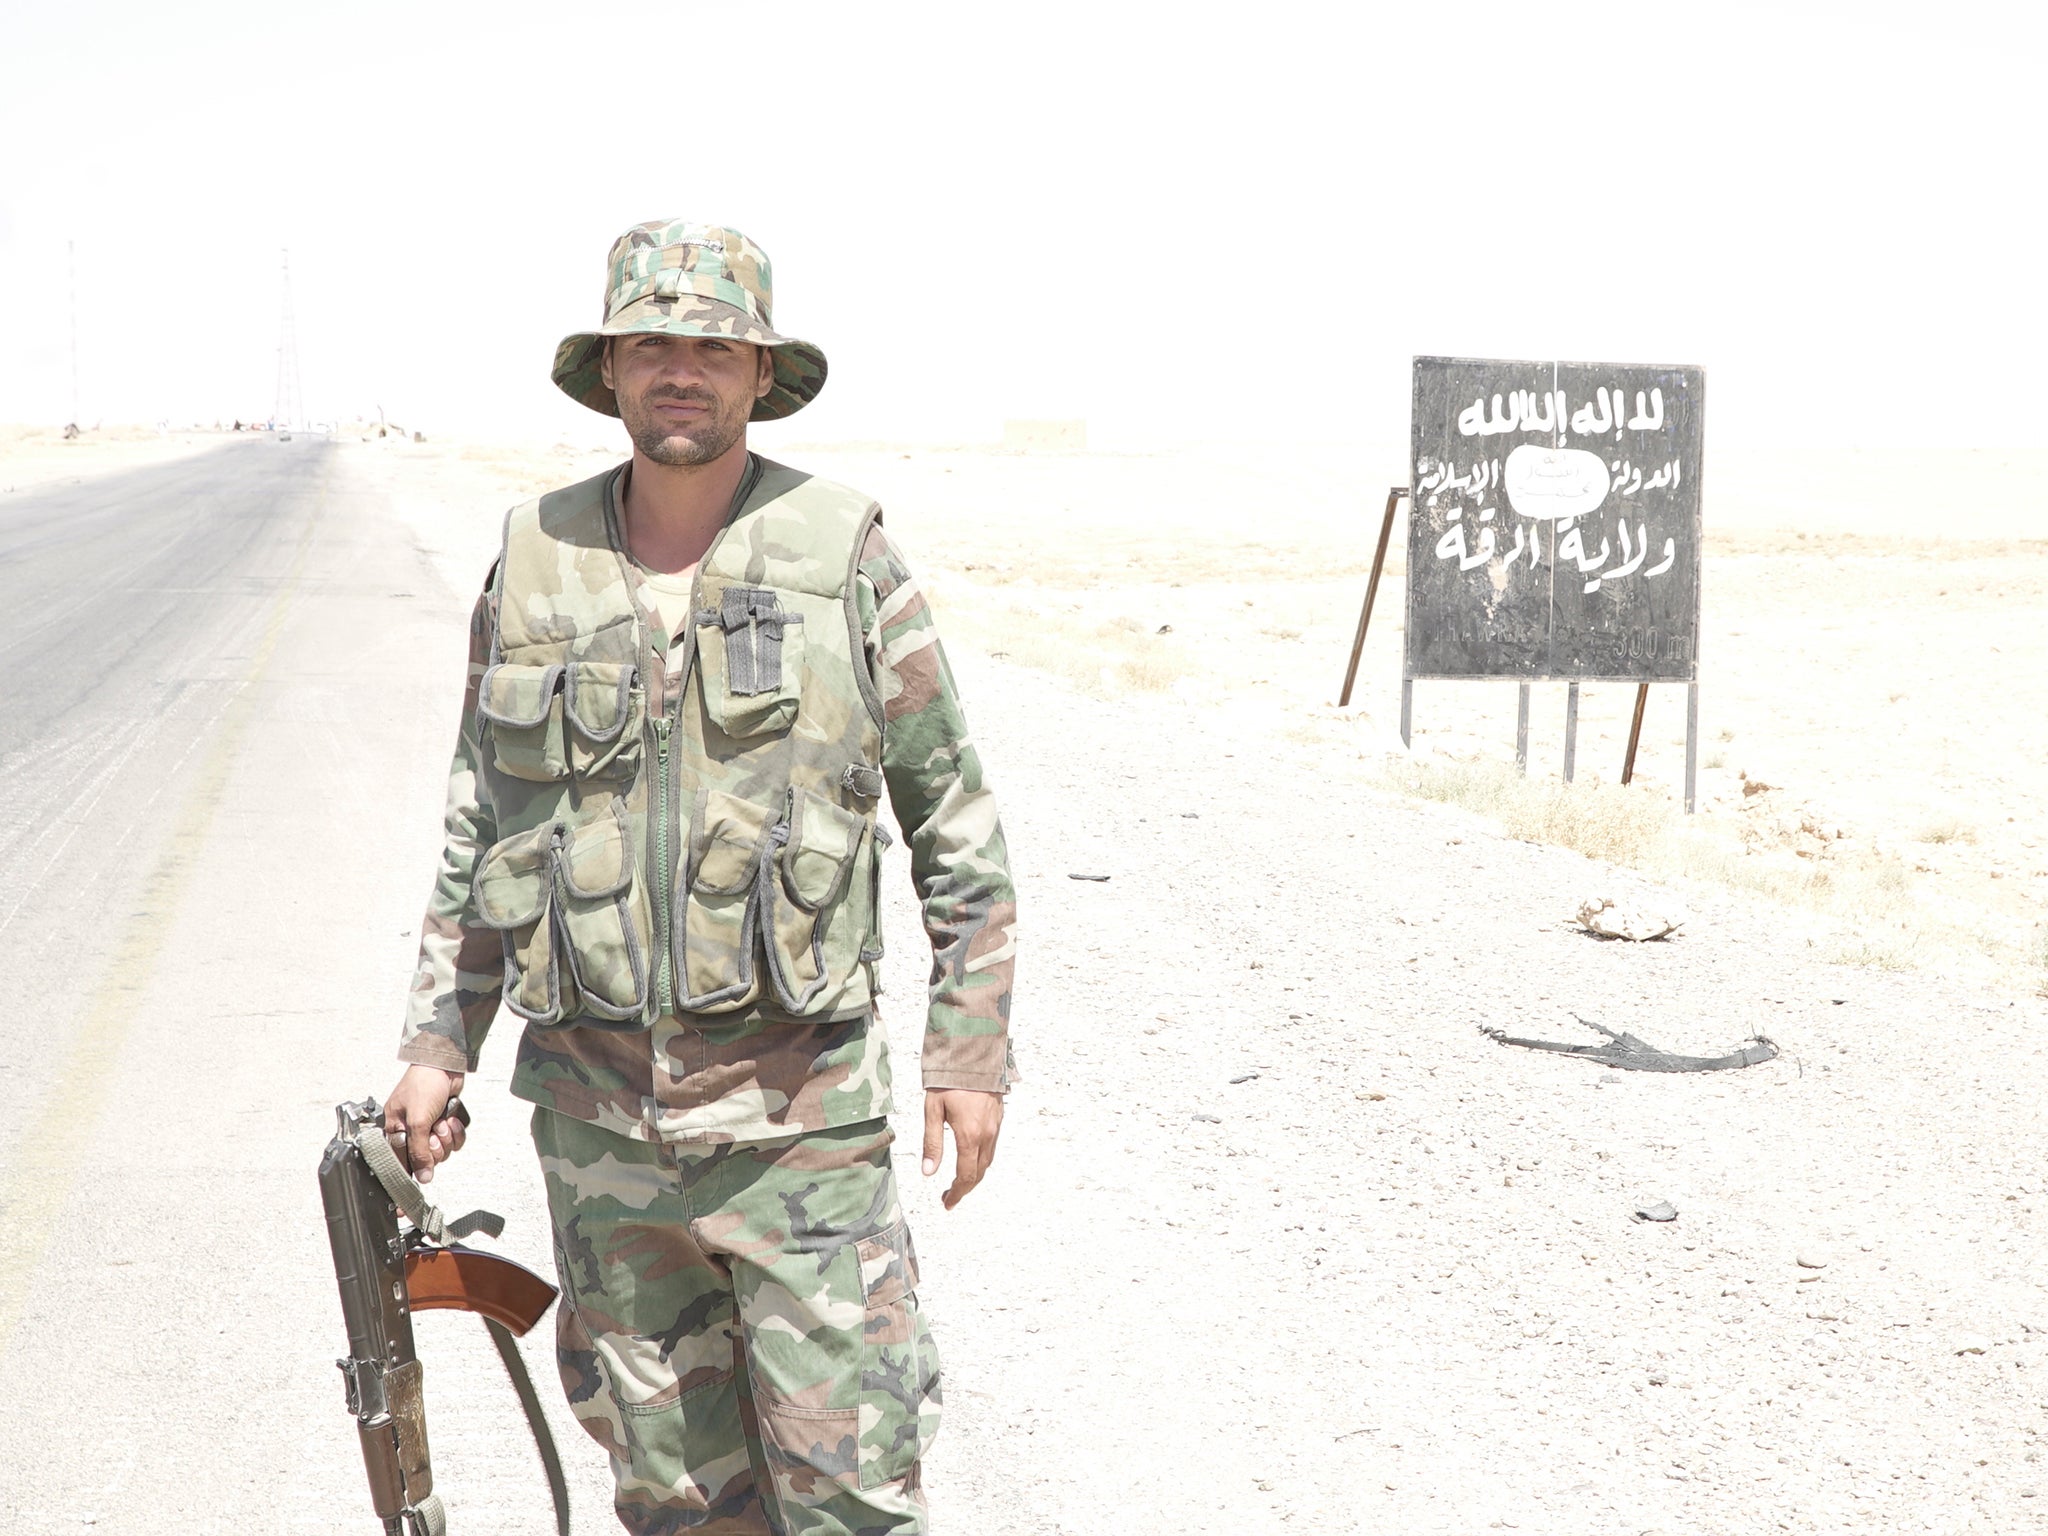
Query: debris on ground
{"type": "Point", "coordinates": [1634, 1055]}
{"type": "Point", "coordinates": [1098, 879]}
{"type": "Point", "coordinates": [1662, 1210]}
{"type": "Point", "coordinates": [1610, 919]}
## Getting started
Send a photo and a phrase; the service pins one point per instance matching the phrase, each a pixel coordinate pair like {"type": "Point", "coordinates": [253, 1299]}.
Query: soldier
{"type": "Point", "coordinates": [691, 680]}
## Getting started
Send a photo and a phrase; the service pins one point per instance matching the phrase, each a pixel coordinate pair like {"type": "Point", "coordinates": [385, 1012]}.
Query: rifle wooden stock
{"type": "Point", "coordinates": [454, 1278]}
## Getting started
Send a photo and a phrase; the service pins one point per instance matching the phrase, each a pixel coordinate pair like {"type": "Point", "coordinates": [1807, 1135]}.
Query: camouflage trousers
{"type": "Point", "coordinates": [739, 1328]}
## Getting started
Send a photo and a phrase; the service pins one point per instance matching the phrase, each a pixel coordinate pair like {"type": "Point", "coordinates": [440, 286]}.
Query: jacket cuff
{"type": "Point", "coordinates": [433, 1051]}
{"type": "Point", "coordinates": [979, 1083]}
{"type": "Point", "coordinates": [983, 1063]}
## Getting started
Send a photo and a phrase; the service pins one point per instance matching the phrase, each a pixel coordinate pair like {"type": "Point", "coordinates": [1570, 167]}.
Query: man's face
{"type": "Point", "coordinates": [686, 399]}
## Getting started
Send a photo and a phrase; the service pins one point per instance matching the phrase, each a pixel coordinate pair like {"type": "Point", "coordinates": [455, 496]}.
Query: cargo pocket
{"type": "Point", "coordinates": [900, 1392]}
{"type": "Point", "coordinates": [751, 650]}
{"type": "Point", "coordinates": [720, 909]}
{"type": "Point", "coordinates": [515, 894]}
{"type": "Point", "coordinates": [603, 917]}
{"type": "Point", "coordinates": [523, 707]}
{"type": "Point", "coordinates": [605, 709]}
{"type": "Point", "coordinates": [818, 844]}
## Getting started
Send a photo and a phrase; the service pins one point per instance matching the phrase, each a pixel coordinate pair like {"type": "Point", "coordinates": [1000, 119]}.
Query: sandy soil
{"type": "Point", "coordinates": [36, 456]}
{"type": "Point", "coordinates": [1279, 1239]}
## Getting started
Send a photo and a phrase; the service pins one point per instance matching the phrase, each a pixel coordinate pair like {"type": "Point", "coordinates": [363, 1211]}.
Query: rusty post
{"type": "Point", "coordinates": [1571, 731]}
{"type": "Point", "coordinates": [1372, 587]}
{"type": "Point", "coordinates": [1635, 733]}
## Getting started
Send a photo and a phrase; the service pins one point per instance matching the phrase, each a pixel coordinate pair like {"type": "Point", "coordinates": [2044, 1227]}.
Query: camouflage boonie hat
{"type": "Point", "coordinates": [687, 279]}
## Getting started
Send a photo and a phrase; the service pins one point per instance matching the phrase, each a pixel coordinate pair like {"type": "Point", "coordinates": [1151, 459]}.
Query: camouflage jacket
{"type": "Point", "coordinates": [756, 1074]}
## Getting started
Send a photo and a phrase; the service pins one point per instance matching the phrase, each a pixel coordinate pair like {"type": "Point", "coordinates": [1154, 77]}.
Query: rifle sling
{"type": "Point", "coordinates": [411, 1200]}
{"type": "Point", "coordinates": [536, 1421]}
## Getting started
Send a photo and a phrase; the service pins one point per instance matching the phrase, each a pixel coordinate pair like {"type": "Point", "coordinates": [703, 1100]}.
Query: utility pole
{"type": "Point", "coordinates": [289, 408]}
{"type": "Point", "coordinates": [71, 261]}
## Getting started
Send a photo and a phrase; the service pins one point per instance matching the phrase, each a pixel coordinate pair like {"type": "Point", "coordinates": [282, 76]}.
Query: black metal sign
{"type": "Point", "coordinates": [1554, 521]}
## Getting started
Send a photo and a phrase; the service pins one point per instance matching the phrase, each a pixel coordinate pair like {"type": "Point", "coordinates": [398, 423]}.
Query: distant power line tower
{"type": "Point", "coordinates": [289, 405]}
{"type": "Point", "coordinates": [71, 265]}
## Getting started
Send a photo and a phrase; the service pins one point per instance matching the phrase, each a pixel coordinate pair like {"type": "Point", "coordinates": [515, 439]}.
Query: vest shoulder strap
{"type": "Point", "coordinates": [798, 531]}
{"type": "Point", "coordinates": [556, 548]}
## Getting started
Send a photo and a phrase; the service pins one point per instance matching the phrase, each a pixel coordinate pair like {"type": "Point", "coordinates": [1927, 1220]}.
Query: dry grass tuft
{"type": "Point", "coordinates": [1868, 896]}
{"type": "Point", "coordinates": [1599, 820]}
{"type": "Point", "coordinates": [1876, 953]}
{"type": "Point", "coordinates": [1949, 830]}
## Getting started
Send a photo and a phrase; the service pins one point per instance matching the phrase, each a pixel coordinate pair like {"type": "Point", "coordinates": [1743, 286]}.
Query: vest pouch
{"type": "Point", "coordinates": [602, 918]}
{"type": "Point", "coordinates": [872, 951]}
{"type": "Point", "coordinates": [750, 650]}
{"type": "Point", "coordinates": [722, 902]}
{"type": "Point", "coordinates": [522, 705]}
{"type": "Point", "coordinates": [815, 862]}
{"type": "Point", "coordinates": [605, 710]}
{"type": "Point", "coordinates": [514, 892]}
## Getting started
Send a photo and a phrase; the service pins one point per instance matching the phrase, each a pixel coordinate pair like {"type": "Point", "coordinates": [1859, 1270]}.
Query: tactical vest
{"type": "Point", "coordinates": [719, 856]}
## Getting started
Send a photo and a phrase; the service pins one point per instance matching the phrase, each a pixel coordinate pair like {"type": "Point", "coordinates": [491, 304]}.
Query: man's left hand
{"type": "Point", "coordinates": [976, 1119]}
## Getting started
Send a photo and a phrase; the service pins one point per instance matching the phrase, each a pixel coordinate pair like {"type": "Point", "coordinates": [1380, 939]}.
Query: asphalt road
{"type": "Point", "coordinates": [230, 684]}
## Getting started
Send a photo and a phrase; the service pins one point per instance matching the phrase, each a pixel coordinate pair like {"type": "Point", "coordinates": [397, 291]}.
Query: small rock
{"type": "Point", "coordinates": [1970, 1344]}
{"type": "Point", "coordinates": [1243, 1077]}
{"type": "Point", "coordinates": [1810, 1259]}
{"type": "Point", "coordinates": [1204, 1120]}
{"type": "Point", "coordinates": [1659, 1378]}
{"type": "Point", "coordinates": [1371, 1098]}
{"type": "Point", "coordinates": [1604, 916]}
{"type": "Point", "coordinates": [1098, 879]}
{"type": "Point", "coordinates": [1662, 1210]}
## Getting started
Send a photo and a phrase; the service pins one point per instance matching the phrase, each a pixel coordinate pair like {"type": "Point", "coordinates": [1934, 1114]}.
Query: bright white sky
{"type": "Point", "coordinates": [1178, 221]}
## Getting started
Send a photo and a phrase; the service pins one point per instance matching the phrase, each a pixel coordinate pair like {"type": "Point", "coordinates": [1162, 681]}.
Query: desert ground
{"type": "Point", "coordinates": [1277, 1239]}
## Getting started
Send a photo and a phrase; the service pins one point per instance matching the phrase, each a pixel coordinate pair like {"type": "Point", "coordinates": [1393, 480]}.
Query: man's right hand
{"type": "Point", "coordinates": [416, 1118]}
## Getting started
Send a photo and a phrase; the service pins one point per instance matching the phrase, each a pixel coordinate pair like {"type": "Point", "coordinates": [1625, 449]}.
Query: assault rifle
{"type": "Point", "coordinates": [390, 1268]}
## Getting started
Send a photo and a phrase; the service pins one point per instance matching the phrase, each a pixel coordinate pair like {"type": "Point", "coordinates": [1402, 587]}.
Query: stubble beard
{"type": "Point", "coordinates": [708, 440]}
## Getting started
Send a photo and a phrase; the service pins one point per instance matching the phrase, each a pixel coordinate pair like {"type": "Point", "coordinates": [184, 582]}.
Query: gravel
{"type": "Point", "coordinates": [1392, 1284]}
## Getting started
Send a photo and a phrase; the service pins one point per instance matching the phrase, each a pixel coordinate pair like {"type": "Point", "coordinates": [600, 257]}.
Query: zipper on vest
{"type": "Point", "coordinates": [664, 986]}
